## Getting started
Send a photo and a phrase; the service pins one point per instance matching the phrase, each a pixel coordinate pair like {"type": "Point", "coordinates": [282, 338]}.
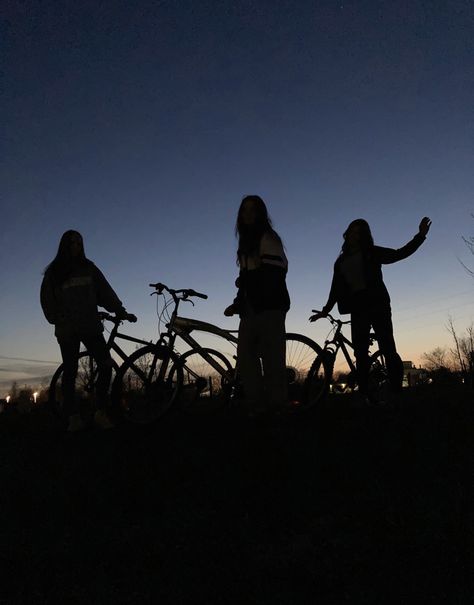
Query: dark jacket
{"type": "Point", "coordinates": [376, 293]}
{"type": "Point", "coordinates": [72, 305]}
{"type": "Point", "coordinates": [262, 278]}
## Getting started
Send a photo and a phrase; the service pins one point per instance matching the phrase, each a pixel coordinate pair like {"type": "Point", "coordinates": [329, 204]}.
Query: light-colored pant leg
{"type": "Point", "coordinates": [272, 341]}
{"type": "Point", "coordinates": [248, 360]}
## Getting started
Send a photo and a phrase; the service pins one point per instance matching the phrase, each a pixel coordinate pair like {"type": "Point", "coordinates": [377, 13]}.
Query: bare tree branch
{"type": "Point", "coordinates": [457, 351]}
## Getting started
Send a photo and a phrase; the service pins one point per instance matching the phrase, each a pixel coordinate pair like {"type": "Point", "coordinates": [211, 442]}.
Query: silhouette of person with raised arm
{"type": "Point", "coordinates": [71, 290]}
{"type": "Point", "coordinates": [262, 302]}
{"type": "Point", "coordinates": [358, 288]}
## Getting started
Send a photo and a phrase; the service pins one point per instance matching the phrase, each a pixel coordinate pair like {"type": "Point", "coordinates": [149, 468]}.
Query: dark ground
{"type": "Point", "coordinates": [343, 506]}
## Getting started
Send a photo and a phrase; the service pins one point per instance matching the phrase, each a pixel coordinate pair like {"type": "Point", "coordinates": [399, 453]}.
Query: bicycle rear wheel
{"type": "Point", "coordinates": [145, 388]}
{"type": "Point", "coordinates": [84, 388]}
{"type": "Point", "coordinates": [319, 380]}
{"type": "Point", "coordinates": [301, 353]}
{"type": "Point", "coordinates": [204, 385]}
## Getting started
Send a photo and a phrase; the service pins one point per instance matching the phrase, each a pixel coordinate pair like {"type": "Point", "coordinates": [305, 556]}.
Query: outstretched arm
{"type": "Point", "coordinates": [387, 256]}
{"type": "Point", "coordinates": [332, 299]}
{"type": "Point", "coordinates": [106, 296]}
{"type": "Point", "coordinates": [233, 309]}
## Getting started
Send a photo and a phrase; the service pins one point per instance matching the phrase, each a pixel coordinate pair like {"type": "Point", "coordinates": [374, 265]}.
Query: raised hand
{"type": "Point", "coordinates": [317, 315]}
{"type": "Point", "coordinates": [425, 225]}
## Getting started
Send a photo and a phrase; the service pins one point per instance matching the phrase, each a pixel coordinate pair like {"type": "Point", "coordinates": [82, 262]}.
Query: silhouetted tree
{"type": "Point", "coordinates": [24, 400]}
{"type": "Point", "coordinates": [469, 241]}
{"type": "Point", "coordinates": [436, 359]}
{"type": "Point", "coordinates": [457, 361]}
{"type": "Point", "coordinates": [463, 349]}
{"type": "Point", "coordinates": [443, 376]}
{"type": "Point", "coordinates": [14, 391]}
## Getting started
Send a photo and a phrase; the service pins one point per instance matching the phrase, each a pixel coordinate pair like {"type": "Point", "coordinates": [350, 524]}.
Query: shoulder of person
{"type": "Point", "coordinates": [49, 277]}
{"type": "Point", "coordinates": [92, 267]}
{"type": "Point", "coordinates": [375, 251]}
{"type": "Point", "coordinates": [93, 270]}
{"type": "Point", "coordinates": [271, 239]}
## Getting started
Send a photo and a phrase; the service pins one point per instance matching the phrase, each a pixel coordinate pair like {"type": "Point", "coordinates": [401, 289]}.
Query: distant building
{"type": "Point", "coordinates": [412, 375]}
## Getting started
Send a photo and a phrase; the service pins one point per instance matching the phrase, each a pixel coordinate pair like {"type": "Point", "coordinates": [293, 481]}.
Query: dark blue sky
{"type": "Point", "coordinates": [143, 124]}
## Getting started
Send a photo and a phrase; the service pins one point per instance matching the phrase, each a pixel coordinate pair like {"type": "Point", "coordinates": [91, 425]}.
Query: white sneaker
{"type": "Point", "coordinates": [75, 424]}
{"type": "Point", "coordinates": [102, 421]}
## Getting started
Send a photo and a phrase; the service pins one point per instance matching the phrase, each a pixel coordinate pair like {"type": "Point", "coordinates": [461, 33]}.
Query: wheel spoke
{"type": "Point", "coordinates": [301, 353]}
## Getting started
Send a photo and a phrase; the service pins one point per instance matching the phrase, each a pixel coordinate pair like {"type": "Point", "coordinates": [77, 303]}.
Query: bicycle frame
{"type": "Point", "coordinates": [341, 342]}
{"type": "Point", "coordinates": [115, 334]}
{"type": "Point", "coordinates": [182, 327]}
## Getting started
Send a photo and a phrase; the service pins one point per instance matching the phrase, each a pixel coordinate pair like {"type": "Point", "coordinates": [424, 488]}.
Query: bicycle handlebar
{"type": "Point", "coordinates": [116, 320]}
{"type": "Point", "coordinates": [185, 292]}
{"type": "Point", "coordinates": [332, 319]}
{"type": "Point", "coordinates": [197, 294]}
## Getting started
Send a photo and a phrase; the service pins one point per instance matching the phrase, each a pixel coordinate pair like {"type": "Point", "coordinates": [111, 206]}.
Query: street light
{"type": "Point", "coordinates": [35, 396]}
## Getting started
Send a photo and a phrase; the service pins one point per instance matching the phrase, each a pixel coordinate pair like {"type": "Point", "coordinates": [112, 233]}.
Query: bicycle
{"type": "Point", "coordinates": [150, 380]}
{"type": "Point", "coordinates": [320, 377]}
{"type": "Point", "coordinates": [87, 369]}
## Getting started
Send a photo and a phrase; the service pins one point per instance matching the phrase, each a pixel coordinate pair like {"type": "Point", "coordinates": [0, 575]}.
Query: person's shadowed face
{"type": "Point", "coordinates": [357, 236]}
{"type": "Point", "coordinates": [353, 236]}
{"type": "Point", "coordinates": [76, 245]}
{"type": "Point", "coordinates": [249, 212]}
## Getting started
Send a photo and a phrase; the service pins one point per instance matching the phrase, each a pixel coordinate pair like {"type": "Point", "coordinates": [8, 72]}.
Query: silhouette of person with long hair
{"type": "Point", "coordinates": [71, 290]}
{"type": "Point", "coordinates": [358, 288]}
{"type": "Point", "coordinates": [262, 302]}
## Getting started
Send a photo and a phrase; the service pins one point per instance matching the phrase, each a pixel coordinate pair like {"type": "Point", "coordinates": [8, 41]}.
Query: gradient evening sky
{"type": "Point", "coordinates": [142, 124]}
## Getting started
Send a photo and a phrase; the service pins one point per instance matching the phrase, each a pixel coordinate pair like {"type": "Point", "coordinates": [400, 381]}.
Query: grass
{"type": "Point", "coordinates": [341, 506]}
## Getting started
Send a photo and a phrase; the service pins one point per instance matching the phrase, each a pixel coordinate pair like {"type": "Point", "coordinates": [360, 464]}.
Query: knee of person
{"type": "Point", "coordinates": [70, 373]}
{"type": "Point", "coordinates": [389, 349]}
{"type": "Point", "coordinates": [70, 366]}
{"type": "Point", "coordinates": [393, 356]}
{"type": "Point", "coordinates": [105, 363]}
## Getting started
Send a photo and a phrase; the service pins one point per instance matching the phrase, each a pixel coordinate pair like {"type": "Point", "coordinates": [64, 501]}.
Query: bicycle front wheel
{"type": "Point", "coordinates": [378, 378]}
{"type": "Point", "coordinates": [319, 380]}
{"type": "Point", "coordinates": [145, 387]}
{"type": "Point", "coordinates": [301, 353]}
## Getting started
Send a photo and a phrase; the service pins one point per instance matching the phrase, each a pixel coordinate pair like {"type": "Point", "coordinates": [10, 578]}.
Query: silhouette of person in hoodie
{"type": "Point", "coordinates": [71, 290]}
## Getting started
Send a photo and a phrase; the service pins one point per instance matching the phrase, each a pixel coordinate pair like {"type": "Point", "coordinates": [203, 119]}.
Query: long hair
{"type": "Point", "coordinates": [250, 235]}
{"type": "Point", "coordinates": [366, 239]}
{"type": "Point", "coordinates": [63, 263]}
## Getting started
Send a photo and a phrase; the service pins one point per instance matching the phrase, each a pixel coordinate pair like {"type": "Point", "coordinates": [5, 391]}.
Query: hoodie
{"type": "Point", "coordinates": [73, 304]}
